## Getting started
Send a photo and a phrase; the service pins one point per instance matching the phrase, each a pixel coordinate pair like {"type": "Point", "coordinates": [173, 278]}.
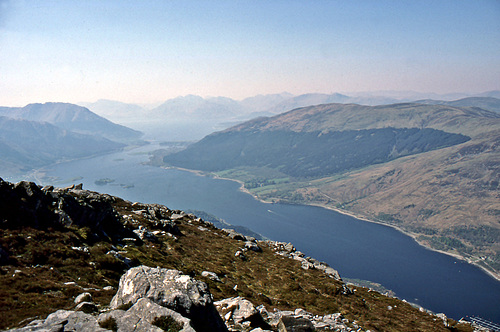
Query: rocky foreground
{"type": "Point", "coordinates": [76, 260]}
{"type": "Point", "coordinates": [157, 299]}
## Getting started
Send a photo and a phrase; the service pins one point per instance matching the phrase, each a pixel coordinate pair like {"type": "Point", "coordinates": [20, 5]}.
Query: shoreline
{"type": "Point", "coordinates": [242, 188]}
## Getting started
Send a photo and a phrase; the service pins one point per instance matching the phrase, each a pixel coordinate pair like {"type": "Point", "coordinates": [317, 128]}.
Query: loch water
{"type": "Point", "coordinates": [356, 248]}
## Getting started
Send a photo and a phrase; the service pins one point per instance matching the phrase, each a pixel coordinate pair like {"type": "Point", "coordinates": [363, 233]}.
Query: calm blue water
{"type": "Point", "coordinates": [357, 249]}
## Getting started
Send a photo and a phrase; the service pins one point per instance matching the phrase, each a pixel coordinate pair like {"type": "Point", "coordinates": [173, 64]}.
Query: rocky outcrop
{"type": "Point", "coordinates": [283, 249]}
{"type": "Point", "coordinates": [173, 290]}
{"type": "Point", "coordinates": [26, 204]}
{"type": "Point", "coordinates": [288, 250]}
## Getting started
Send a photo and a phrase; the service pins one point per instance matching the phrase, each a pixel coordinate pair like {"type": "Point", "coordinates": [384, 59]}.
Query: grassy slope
{"type": "Point", "coordinates": [45, 273]}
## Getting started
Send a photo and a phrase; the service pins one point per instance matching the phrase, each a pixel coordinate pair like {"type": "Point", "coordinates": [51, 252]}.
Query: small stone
{"type": "Point", "coordinates": [83, 297]}
{"type": "Point", "coordinates": [252, 246]}
{"type": "Point", "coordinates": [210, 275]}
{"type": "Point", "coordinates": [241, 255]}
{"type": "Point", "coordinates": [295, 324]}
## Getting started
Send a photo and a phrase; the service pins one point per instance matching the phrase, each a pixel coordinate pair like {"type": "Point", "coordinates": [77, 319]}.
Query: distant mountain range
{"type": "Point", "coordinates": [115, 111]}
{"type": "Point", "coordinates": [40, 134]}
{"type": "Point", "coordinates": [432, 170]}
{"type": "Point", "coordinates": [222, 109]}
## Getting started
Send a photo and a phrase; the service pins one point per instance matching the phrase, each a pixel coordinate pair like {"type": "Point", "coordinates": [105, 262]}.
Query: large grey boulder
{"type": "Point", "coordinates": [143, 316]}
{"type": "Point", "coordinates": [173, 290]}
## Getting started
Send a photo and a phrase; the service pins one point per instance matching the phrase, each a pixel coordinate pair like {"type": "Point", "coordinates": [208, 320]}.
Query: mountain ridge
{"type": "Point", "coordinates": [26, 144]}
{"type": "Point", "coordinates": [487, 103]}
{"type": "Point", "coordinates": [446, 198]}
{"type": "Point", "coordinates": [72, 117]}
{"type": "Point", "coordinates": [40, 134]}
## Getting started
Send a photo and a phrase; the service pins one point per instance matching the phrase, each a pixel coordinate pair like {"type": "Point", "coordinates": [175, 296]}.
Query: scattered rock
{"type": "Point", "coordinates": [347, 290]}
{"type": "Point", "coordinates": [288, 250]}
{"type": "Point", "coordinates": [117, 255]}
{"type": "Point", "coordinates": [167, 226]}
{"type": "Point", "coordinates": [144, 234]}
{"type": "Point", "coordinates": [64, 320]}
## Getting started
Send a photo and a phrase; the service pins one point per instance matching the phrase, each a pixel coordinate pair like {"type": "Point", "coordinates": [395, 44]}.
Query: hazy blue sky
{"type": "Point", "coordinates": [148, 51]}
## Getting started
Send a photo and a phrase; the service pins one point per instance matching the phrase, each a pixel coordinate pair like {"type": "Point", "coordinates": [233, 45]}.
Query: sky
{"type": "Point", "coordinates": [149, 51]}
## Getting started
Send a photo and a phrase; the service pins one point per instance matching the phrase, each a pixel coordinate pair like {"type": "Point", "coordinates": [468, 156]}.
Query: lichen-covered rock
{"type": "Point", "coordinates": [143, 316]}
{"type": "Point", "coordinates": [173, 290]}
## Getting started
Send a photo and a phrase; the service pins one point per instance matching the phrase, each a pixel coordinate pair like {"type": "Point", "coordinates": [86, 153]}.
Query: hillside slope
{"type": "Point", "coordinates": [49, 253]}
{"type": "Point", "coordinates": [26, 144]}
{"type": "Point", "coordinates": [446, 195]}
{"type": "Point", "coordinates": [74, 118]}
